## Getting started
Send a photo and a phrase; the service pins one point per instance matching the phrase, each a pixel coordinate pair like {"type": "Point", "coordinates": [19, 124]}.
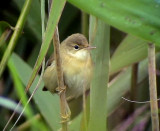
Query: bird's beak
{"type": "Point", "coordinates": [90, 47]}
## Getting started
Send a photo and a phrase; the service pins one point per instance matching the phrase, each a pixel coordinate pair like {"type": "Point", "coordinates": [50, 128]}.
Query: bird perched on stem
{"type": "Point", "coordinates": [77, 67]}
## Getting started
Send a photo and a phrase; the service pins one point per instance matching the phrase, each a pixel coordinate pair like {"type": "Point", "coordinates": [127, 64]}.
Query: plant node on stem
{"type": "Point", "coordinates": [65, 111]}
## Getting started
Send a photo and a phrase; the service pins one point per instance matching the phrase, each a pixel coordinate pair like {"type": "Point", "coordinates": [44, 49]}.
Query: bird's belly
{"type": "Point", "coordinates": [77, 82]}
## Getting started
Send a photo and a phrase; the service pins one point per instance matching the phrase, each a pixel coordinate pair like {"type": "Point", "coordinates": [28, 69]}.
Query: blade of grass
{"type": "Point", "coordinates": [20, 89]}
{"type": "Point", "coordinates": [98, 91]}
{"type": "Point", "coordinates": [26, 104]}
{"type": "Point", "coordinates": [16, 34]}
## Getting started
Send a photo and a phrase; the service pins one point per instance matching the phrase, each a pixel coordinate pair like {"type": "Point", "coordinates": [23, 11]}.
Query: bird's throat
{"type": "Point", "coordinates": [80, 55]}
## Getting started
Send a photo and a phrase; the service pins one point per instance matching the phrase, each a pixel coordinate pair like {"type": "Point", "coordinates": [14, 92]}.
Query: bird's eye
{"type": "Point", "coordinates": [76, 47]}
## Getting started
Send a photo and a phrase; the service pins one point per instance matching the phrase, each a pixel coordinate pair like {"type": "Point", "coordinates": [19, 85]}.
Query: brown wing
{"type": "Point", "coordinates": [50, 60]}
{"type": "Point", "coordinates": [48, 63]}
{"type": "Point", "coordinates": [44, 89]}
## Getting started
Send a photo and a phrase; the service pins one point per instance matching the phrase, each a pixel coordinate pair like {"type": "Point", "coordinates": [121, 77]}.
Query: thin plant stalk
{"type": "Point", "coordinates": [62, 87]}
{"type": "Point", "coordinates": [153, 87]}
{"type": "Point", "coordinates": [17, 32]}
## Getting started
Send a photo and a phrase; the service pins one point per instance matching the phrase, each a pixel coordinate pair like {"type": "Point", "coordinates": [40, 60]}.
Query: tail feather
{"type": "Point", "coordinates": [44, 89]}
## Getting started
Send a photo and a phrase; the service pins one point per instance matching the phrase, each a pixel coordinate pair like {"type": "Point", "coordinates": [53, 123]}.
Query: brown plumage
{"type": "Point", "coordinates": [77, 66]}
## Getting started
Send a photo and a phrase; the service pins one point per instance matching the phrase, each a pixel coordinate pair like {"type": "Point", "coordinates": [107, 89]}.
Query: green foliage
{"type": "Point", "coordinates": [15, 36]}
{"type": "Point", "coordinates": [131, 50]}
{"type": "Point", "coordinates": [138, 18]}
{"type": "Point", "coordinates": [5, 30]}
{"type": "Point", "coordinates": [55, 13]}
{"type": "Point", "coordinates": [3, 26]}
{"type": "Point", "coordinates": [47, 103]}
{"type": "Point", "coordinates": [34, 18]}
{"type": "Point", "coordinates": [98, 91]}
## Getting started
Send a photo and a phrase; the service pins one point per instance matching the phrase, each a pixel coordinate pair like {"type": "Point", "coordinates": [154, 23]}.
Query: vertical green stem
{"type": "Point", "coordinates": [16, 34]}
{"type": "Point", "coordinates": [99, 84]}
{"type": "Point", "coordinates": [153, 87]}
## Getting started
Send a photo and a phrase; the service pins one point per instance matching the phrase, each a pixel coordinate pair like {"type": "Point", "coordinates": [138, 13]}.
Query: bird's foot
{"type": "Point", "coordinates": [66, 117]}
{"type": "Point", "coordinates": [60, 90]}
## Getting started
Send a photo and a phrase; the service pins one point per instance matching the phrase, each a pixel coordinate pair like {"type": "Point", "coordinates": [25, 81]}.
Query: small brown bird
{"type": "Point", "coordinates": [77, 66]}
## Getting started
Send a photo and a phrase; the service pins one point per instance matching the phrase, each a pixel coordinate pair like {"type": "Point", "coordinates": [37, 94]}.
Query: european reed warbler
{"type": "Point", "coordinates": [77, 66]}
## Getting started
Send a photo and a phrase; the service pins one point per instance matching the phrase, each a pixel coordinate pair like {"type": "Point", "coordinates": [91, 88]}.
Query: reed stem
{"type": "Point", "coordinates": [153, 87]}
{"type": "Point", "coordinates": [62, 88]}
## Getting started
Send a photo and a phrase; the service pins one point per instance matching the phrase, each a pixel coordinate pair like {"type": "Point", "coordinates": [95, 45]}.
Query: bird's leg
{"type": "Point", "coordinates": [70, 98]}
{"type": "Point", "coordinates": [60, 90]}
{"type": "Point", "coordinates": [57, 90]}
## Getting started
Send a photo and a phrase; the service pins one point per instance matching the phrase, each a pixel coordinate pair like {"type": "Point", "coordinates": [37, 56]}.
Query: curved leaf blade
{"type": "Point", "coordinates": [47, 103]}
{"type": "Point", "coordinates": [137, 17]}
